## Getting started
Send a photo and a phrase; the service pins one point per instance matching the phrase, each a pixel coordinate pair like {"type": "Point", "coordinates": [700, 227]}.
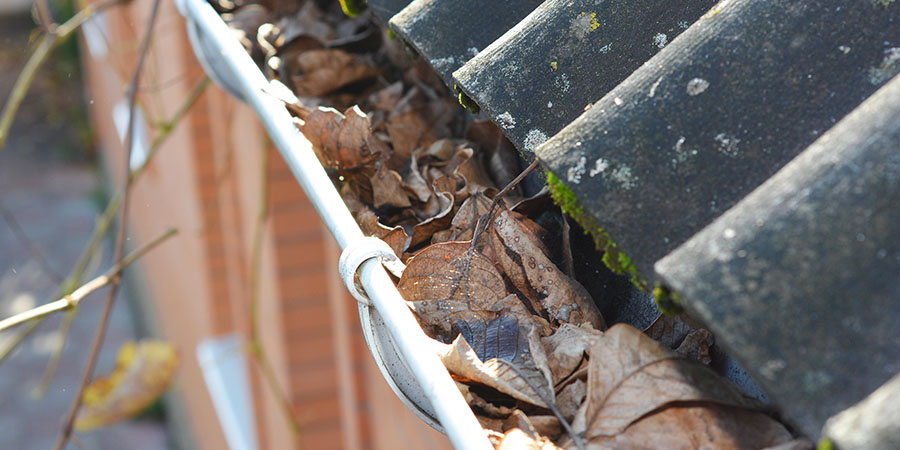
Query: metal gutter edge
{"type": "Point", "coordinates": [417, 353]}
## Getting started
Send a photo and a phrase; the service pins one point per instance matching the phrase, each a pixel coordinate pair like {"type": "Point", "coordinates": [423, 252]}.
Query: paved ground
{"type": "Point", "coordinates": [48, 183]}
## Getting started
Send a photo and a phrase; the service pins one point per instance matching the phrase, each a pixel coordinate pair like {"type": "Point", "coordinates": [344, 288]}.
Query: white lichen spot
{"type": "Point", "coordinates": [729, 233]}
{"type": "Point", "coordinates": [599, 166]}
{"type": "Point", "coordinates": [506, 121]}
{"type": "Point", "coordinates": [882, 3]}
{"type": "Point", "coordinates": [660, 40]}
{"type": "Point", "coordinates": [533, 139]}
{"type": "Point", "coordinates": [697, 86]}
{"type": "Point", "coordinates": [683, 24]}
{"type": "Point", "coordinates": [442, 63]}
{"type": "Point", "coordinates": [844, 49]}
{"type": "Point", "coordinates": [575, 172]}
{"type": "Point", "coordinates": [605, 49]}
{"type": "Point", "coordinates": [889, 67]}
{"type": "Point", "coordinates": [728, 145]}
{"type": "Point", "coordinates": [473, 51]}
{"type": "Point", "coordinates": [549, 104]}
{"type": "Point", "coordinates": [624, 177]}
{"type": "Point", "coordinates": [654, 86]}
{"type": "Point", "coordinates": [583, 24]}
{"type": "Point", "coordinates": [562, 82]}
{"type": "Point", "coordinates": [618, 101]}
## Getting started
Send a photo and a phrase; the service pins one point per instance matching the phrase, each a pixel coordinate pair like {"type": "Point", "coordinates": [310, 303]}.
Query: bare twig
{"type": "Point", "coordinates": [45, 19]}
{"type": "Point", "coordinates": [256, 348]}
{"type": "Point", "coordinates": [56, 357]}
{"type": "Point", "coordinates": [47, 43]}
{"type": "Point", "coordinates": [29, 245]}
{"type": "Point", "coordinates": [120, 238]}
{"type": "Point", "coordinates": [105, 220]}
{"type": "Point", "coordinates": [109, 277]}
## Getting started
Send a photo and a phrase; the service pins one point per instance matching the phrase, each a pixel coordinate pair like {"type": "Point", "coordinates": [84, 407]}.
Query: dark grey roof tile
{"type": "Point", "coordinates": [449, 33]}
{"type": "Point", "coordinates": [800, 279]}
{"type": "Point", "coordinates": [564, 56]}
{"type": "Point", "coordinates": [718, 111]}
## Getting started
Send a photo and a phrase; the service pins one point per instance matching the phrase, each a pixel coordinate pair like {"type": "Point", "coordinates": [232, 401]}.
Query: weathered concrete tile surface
{"type": "Point", "coordinates": [449, 33]}
{"type": "Point", "coordinates": [800, 279]}
{"type": "Point", "coordinates": [718, 111]}
{"type": "Point", "coordinates": [566, 55]}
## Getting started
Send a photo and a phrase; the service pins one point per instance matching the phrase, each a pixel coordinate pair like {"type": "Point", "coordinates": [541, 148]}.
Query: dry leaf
{"type": "Point", "coordinates": [502, 157]}
{"type": "Point", "coordinates": [566, 349]}
{"type": "Point", "coordinates": [690, 427]}
{"type": "Point", "coordinates": [143, 372]}
{"type": "Point", "coordinates": [682, 334]}
{"type": "Point", "coordinates": [517, 439]}
{"type": "Point", "coordinates": [448, 271]}
{"type": "Point", "coordinates": [395, 237]}
{"type": "Point", "coordinates": [323, 71]}
{"type": "Point", "coordinates": [631, 376]}
{"type": "Point", "coordinates": [570, 399]}
{"type": "Point", "coordinates": [507, 372]}
{"type": "Point", "coordinates": [408, 132]}
{"type": "Point", "coordinates": [695, 346]}
{"type": "Point", "coordinates": [424, 230]}
{"type": "Point", "coordinates": [520, 255]}
{"type": "Point", "coordinates": [387, 189]}
{"type": "Point", "coordinates": [341, 141]}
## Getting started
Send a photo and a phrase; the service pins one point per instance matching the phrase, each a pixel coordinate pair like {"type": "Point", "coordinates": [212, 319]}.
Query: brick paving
{"type": "Point", "coordinates": [51, 197]}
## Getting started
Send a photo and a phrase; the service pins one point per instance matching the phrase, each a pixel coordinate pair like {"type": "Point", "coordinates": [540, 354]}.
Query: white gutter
{"type": "Point", "coordinates": [226, 61]}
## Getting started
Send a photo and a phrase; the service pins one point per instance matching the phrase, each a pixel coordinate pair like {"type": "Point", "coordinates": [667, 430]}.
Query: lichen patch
{"type": "Point", "coordinates": [575, 172]}
{"type": "Point", "coordinates": [506, 121]}
{"type": "Point", "coordinates": [660, 40]}
{"type": "Point", "coordinates": [534, 138]}
{"type": "Point", "coordinates": [728, 145]}
{"type": "Point", "coordinates": [889, 67]}
{"type": "Point", "coordinates": [696, 86]}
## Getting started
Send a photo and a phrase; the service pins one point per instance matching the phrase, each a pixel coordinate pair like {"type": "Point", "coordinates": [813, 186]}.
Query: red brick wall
{"type": "Point", "coordinates": [206, 180]}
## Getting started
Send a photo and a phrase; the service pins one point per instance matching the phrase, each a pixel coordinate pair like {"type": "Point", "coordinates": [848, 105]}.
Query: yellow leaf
{"type": "Point", "coordinates": [143, 372]}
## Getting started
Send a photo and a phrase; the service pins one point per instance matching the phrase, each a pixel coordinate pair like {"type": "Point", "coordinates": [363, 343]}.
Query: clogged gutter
{"type": "Point", "coordinates": [495, 287]}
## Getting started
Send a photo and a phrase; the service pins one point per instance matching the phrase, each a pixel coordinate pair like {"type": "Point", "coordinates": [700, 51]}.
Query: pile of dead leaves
{"type": "Point", "coordinates": [489, 278]}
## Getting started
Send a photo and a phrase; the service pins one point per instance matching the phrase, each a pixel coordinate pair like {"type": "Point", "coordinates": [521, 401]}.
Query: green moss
{"type": "Point", "coordinates": [391, 35]}
{"type": "Point", "coordinates": [613, 257]}
{"type": "Point", "coordinates": [352, 8]}
{"type": "Point", "coordinates": [466, 101]}
{"type": "Point", "coordinates": [667, 300]}
{"type": "Point", "coordinates": [825, 444]}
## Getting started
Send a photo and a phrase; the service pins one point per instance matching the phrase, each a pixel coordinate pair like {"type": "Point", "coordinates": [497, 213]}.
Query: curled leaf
{"type": "Point", "coordinates": [143, 372]}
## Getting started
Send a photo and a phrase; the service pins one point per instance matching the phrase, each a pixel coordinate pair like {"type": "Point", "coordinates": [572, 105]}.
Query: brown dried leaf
{"type": "Point", "coordinates": [519, 253]}
{"type": "Point", "coordinates": [387, 189]}
{"type": "Point", "coordinates": [566, 349]}
{"type": "Point", "coordinates": [513, 360]}
{"type": "Point", "coordinates": [395, 237]}
{"type": "Point", "coordinates": [695, 346]}
{"type": "Point", "coordinates": [143, 372]}
{"type": "Point", "coordinates": [632, 375]}
{"type": "Point", "coordinates": [683, 335]}
{"type": "Point", "coordinates": [502, 157]}
{"type": "Point", "coordinates": [570, 398]}
{"type": "Point", "coordinates": [408, 132]}
{"type": "Point", "coordinates": [517, 439]}
{"type": "Point", "coordinates": [424, 230]}
{"type": "Point", "coordinates": [341, 141]}
{"type": "Point", "coordinates": [324, 71]}
{"type": "Point", "coordinates": [689, 427]}
{"type": "Point", "coordinates": [447, 271]}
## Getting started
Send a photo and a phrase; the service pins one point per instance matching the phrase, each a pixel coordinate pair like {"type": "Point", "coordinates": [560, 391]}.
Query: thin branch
{"type": "Point", "coordinates": [45, 19]}
{"type": "Point", "coordinates": [120, 238]}
{"type": "Point", "coordinates": [29, 245]}
{"type": "Point", "coordinates": [47, 43]}
{"type": "Point", "coordinates": [105, 220]}
{"type": "Point", "coordinates": [167, 127]}
{"type": "Point", "coordinates": [73, 299]}
{"type": "Point", "coordinates": [256, 348]}
{"type": "Point", "coordinates": [75, 278]}
{"type": "Point", "coordinates": [56, 357]}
